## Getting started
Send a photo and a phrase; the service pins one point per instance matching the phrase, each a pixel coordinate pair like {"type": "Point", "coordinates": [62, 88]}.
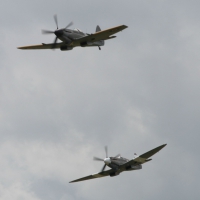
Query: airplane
{"type": "Point", "coordinates": [74, 38]}
{"type": "Point", "coordinates": [119, 164]}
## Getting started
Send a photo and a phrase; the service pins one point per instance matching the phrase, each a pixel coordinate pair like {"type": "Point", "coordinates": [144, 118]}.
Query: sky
{"type": "Point", "coordinates": [58, 109]}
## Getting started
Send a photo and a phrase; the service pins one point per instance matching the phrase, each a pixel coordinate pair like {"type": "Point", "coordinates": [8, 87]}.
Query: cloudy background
{"type": "Point", "coordinates": [59, 109]}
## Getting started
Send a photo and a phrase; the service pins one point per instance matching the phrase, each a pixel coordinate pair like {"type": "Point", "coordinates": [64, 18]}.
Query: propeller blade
{"type": "Point", "coordinates": [70, 24]}
{"type": "Point", "coordinates": [56, 20]}
{"type": "Point", "coordinates": [103, 168]}
{"type": "Point", "coordinates": [47, 32]}
{"type": "Point", "coordinates": [106, 150]}
{"type": "Point", "coordinates": [98, 159]}
{"type": "Point", "coordinates": [54, 44]}
{"type": "Point", "coordinates": [117, 155]}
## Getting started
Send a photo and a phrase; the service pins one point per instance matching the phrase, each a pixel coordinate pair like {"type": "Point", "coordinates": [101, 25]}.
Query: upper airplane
{"type": "Point", "coordinates": [74, 38]}
{"type": "Point", "coordinates": [119, 164]}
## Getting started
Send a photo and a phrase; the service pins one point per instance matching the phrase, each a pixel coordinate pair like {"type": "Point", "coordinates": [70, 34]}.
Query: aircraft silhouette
{"type": "Point", "coordinates": [74, 37]}
{"type": "Point", "coordinates": [119, 164]}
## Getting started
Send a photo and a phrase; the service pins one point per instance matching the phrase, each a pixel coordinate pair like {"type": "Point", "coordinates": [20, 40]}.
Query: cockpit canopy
{"type": "Point", "coordinates": [78, 30]}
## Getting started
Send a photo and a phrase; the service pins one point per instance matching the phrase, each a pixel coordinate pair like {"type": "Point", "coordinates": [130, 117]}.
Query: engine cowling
{"type": "Point", "coordinates": [65, 48]}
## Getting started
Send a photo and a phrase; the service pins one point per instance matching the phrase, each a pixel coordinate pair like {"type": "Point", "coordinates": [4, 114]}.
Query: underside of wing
{"type": "Point", "coordinates": [143, 158]}
{"type": "Point", "coordinates": [43, 46]}
{"type": "Point", "coordinates": [101, 35]}
{"type": "Point", "coordinates": [98, 175]}
{"type": "Point", "coordinates": [152, 152]}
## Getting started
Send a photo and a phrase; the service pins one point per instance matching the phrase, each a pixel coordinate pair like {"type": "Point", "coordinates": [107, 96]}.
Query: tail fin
{"type": "Point", "coordinates": [101, 42]}
{"type": "Point", "coordinates": [98, 28]}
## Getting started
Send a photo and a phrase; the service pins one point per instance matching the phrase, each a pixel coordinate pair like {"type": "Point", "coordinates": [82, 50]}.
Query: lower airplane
{"type": "Point", "coordinates": [119, 164]}
{"type": "Point", "coordinates": [74, 37]}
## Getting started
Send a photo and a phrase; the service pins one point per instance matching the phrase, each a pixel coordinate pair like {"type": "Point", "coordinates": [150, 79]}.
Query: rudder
{"type": "Point", "coordinates": [98, 28]}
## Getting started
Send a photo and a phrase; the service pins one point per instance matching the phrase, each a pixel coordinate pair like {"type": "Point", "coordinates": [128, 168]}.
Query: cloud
{"type": "Point", "coordinates": [59, 109]}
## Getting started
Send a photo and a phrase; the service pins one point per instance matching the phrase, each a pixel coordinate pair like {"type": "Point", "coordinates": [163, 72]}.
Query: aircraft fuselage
{"type": "Point", "coordinates": [69, 35]}
{"type": "Point", "coordinates": [117, 161]}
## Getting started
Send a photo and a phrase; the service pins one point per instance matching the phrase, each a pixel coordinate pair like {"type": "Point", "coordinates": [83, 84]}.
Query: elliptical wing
{"type": "Point", "coordinates": [142, 158]}
{"type": "Point", "coordinates": [97, 175]}
{"type": "Point", "coordinates": [101, 35]}
{"type": "Point", "coordinates": [42, 46]}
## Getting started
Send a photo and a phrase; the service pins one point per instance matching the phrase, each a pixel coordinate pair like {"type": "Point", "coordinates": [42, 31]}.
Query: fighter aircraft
{"type": "Point", "coordinates": [119, 164]}
{"type": "Point", "coordinates": [74, 38]}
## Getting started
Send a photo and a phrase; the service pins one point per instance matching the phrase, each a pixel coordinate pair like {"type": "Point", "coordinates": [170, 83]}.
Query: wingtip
{"type": "Point", "coordinates": [124, 26]}
{"type": "Point", "coordinates": [21, 47]}
{"type": "Point", "coordinates": [162, 146]}
{"type": "Point", "coordinates": [72, 181]}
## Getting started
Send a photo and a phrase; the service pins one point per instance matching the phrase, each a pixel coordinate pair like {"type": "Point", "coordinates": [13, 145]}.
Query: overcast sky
{"type": "Point", "coordinates": [58, 109]}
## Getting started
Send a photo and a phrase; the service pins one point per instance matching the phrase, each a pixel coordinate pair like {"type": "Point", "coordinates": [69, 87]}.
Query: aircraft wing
{"type": "Point", "coordinates": [142, 158]}
{"type": "Point", "coordinates": [101, 35]}
{"type": "Point", "coordinates": [98, 175]}
{"type": "Point", "coordinates": [42, 46]}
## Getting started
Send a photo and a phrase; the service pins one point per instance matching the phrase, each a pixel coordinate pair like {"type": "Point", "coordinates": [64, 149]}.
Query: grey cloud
{"type": "Point", "coordinates": [58, 109]}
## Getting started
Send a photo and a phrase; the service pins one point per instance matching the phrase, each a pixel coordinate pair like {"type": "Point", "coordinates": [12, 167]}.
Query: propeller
{"type": "Point", "coordinates": [47, 32]}
{"type": "Point", "coordinates": [57, 32]}
{"type": "Point", "coordinates": [56, 20]}
{"type": "Point", "coordinates": [100, 159]}
{"type": "Point", "coordinates": [54, 44]}
{"type": "Point", "coordinates": [103, 167]}
{"type": "Point", "coordinates": [106, 150]}
{"type": "Point", "coordinates": [106, 160]}
{"type": "Point", "coordinates": [70, 24]}
{"type": "Point", "coordinates": [50, 32]}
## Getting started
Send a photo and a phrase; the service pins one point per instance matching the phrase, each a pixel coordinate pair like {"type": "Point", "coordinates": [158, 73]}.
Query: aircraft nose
{"type": "Point", "coordinates": [107, 161]}
{"type": "Point", "coordinates": [58, 33]}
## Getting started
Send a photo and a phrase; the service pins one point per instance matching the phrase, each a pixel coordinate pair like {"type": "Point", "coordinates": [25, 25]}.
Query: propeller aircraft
{"type": "Point", "coordinates": [74, 38]}
{"type": "Point", "coordinates": [119, 164]}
